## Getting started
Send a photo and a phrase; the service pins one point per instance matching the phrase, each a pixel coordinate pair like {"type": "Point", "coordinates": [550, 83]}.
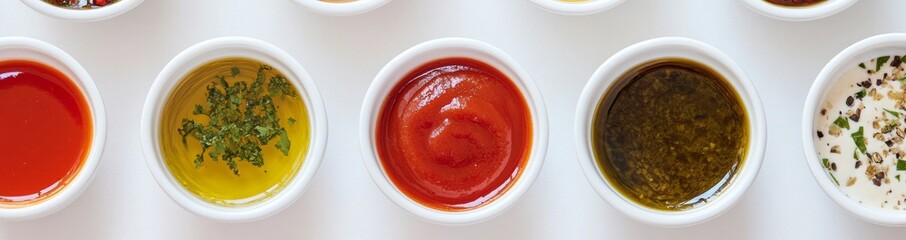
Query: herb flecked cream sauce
{"type": "Point", "coordinates": [670, 134]}
{"type": "Point", "coordinates": [860, 131]}
{"type": "Point", "coordinates": [234, 131]}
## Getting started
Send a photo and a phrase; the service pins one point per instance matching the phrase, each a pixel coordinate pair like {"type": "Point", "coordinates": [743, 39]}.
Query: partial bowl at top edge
{"type": "Point", "coordinates": [803, 13]}
{"type": "Point", "coordinates": [342, 8]}
{"type": "Point", "coordinates": [86, 15]}
{"type": "Point", "coordinates": [585, 7]}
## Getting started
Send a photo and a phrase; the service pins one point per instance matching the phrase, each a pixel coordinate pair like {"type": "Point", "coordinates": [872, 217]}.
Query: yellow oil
{"type": "Point", "coordinates": [213, 181]}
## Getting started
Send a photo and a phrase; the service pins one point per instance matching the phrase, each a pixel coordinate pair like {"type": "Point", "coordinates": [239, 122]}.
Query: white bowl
{"type": "Point", "coordinates": [202, 53]}
{"type": "Point", "coordinates": [97, 14]}
{"type": "Point", "coordinates": [397, 69]}
{"type": "Point", "coordinates": [670, 48]}
{"type": "Point", "coordinates": [342, 9]}
{"type": "Point", "coordinates": [807, 13]}
{"type": "Point", "coordinates": [576, 8]}
{"type": "Point", "coordinates": [19, 48]}
{"type": "Point", "coordinates": [861, 51]}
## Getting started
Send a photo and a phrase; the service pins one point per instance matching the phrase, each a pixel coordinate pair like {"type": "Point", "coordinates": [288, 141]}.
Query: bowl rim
{"type": "Point", "coordinates": [98, 14]}
{"type": "Point", "coordinates": [828, 76]}
{"type": "Point", "coordinates": [670, 48]}
{"type": "Point", "coordinates": [394, 72]}
{"type": "Point", "coordinates": [56, 58]}
{"type": "Point", "coordinates": [219, 48]}
{"type": "Point", "coordinates": [807, 13]}
{"type": "Point", "coordinates": [342, 9]}
{"type": "Point", "coordinates": [576, 8]}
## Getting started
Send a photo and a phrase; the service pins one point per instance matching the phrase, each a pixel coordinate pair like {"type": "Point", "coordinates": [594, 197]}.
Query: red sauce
{"type": "Point", "coordinates": [794, 3]}
{"type": "Point", "coordinates": [454, 134]}
{"type": "Point", "coordinates": [45, 131]}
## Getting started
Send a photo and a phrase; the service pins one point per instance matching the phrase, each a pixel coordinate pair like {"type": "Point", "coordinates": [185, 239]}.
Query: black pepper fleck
{"type": "Point", "coordinates": [820, 134]}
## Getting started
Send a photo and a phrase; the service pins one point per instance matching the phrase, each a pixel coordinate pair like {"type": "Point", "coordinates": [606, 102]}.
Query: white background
{"type": "Point", "coordinates": [125, 54]}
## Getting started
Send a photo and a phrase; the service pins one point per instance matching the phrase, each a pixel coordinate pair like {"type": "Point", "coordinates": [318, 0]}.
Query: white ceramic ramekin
{"type": "Point", "coordinates": [19, 48]}
{"type": "Point", "coordinates": [870, 48]}
{"type": "Point", "coordinates": [202, 53]}
{"type": "Point", "coordinates": [397, 69]}
{"type": "Point", "coordinates": [576, 8]}
{"type": "Point", "coordinates": [670, 48]}
{"type": "Point", "coordinates": [342, 9]}
{"type": "Point", "coordinates": [101, 13]}
{"type": "Point", "coordinates": [807, 13]}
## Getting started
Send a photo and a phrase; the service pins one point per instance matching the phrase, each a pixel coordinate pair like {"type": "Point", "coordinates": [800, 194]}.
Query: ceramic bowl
{"type": "Point", "coordinates": [397, 69]}
{"type": "Point", "coordinates": [670, 48]}
{"type": "Point", "coordinates": [205, 52]}
{"type": "Point", "coordinates": [829, 77]}
{"type": "Point", "coordinates": [586, 7]}
{"type": "Point", "coordinates": [807, 13]}
{"type": "Point", "coordinates": [342, 8]}
{"type": "Point", "coordinates": [19, 48]}
{"type": "Point", "coordinates": [97, 14]}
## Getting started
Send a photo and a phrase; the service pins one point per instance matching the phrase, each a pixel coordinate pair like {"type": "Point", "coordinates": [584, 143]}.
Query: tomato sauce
{"type": "Point", "coordinates": [454, 134]}
{"type": "Point", "coordinates": [45, 131]}
{"type": "Point", "coordinates": [795, 3]}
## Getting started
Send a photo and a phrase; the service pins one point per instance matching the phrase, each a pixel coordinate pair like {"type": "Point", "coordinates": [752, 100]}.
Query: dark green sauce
{"type": "Point", "coordinates": [670, 134]}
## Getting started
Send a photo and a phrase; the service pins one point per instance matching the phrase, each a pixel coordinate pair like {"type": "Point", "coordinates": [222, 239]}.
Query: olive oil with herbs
{"type": "Point", "coordinates": [234, 131]}
{"type": "Point", "coordinates": [670, 134]}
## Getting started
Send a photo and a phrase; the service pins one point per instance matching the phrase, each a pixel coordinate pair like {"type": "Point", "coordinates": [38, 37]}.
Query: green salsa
{"type": "Point", "coordinates": [670, 134]}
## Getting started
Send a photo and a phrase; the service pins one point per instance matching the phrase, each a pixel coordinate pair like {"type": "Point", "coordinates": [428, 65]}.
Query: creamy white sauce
{"type": "Point", "coordinates": [861, 184]}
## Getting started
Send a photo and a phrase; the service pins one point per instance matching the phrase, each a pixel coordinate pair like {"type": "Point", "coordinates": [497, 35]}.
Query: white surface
{"type": "Point", "coordinates": [343, 54]}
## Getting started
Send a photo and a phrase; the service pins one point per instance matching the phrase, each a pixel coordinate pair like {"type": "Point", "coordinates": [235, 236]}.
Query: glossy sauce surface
{"type": "Point", "coordinates": [670, 135]}
{"type": "Point", "coordinates": [213, 181]}
{"type": "Point", "coordinates": [45, 131]}
{"type": "Point", "coordinates": [454, 134]}
{"type": "Point", "coordinates": [795, 3]}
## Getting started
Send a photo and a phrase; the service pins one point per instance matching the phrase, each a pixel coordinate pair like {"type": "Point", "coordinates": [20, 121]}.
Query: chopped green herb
{"type": "Point", "coordinates": [894, 113]}
{"type": "Point", "coordinates": [234, 71]}
{"type": "Point", "coordinates": [898, 177]}
{"type": "Point", "coordinates": [901, 165]}
{"type": "Point", "coordinates": [291, 121]}
{"type": "Point", "coordinates": [880, 62]}
{"type": "Point", "coordinates": [862, 65]}
{"type": "Point", "coordinates": [242, 118]}
{"type": "Point", "coordinates": [842, 122]}
{"type": "Point", "coordinates": [834, 178]}
{"type": "Point", "coordinates": [859, 139]}
{"type": "Point", "coordinates": [860, 94]}
{"type": "Point", "coordinates": [856, 154]}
